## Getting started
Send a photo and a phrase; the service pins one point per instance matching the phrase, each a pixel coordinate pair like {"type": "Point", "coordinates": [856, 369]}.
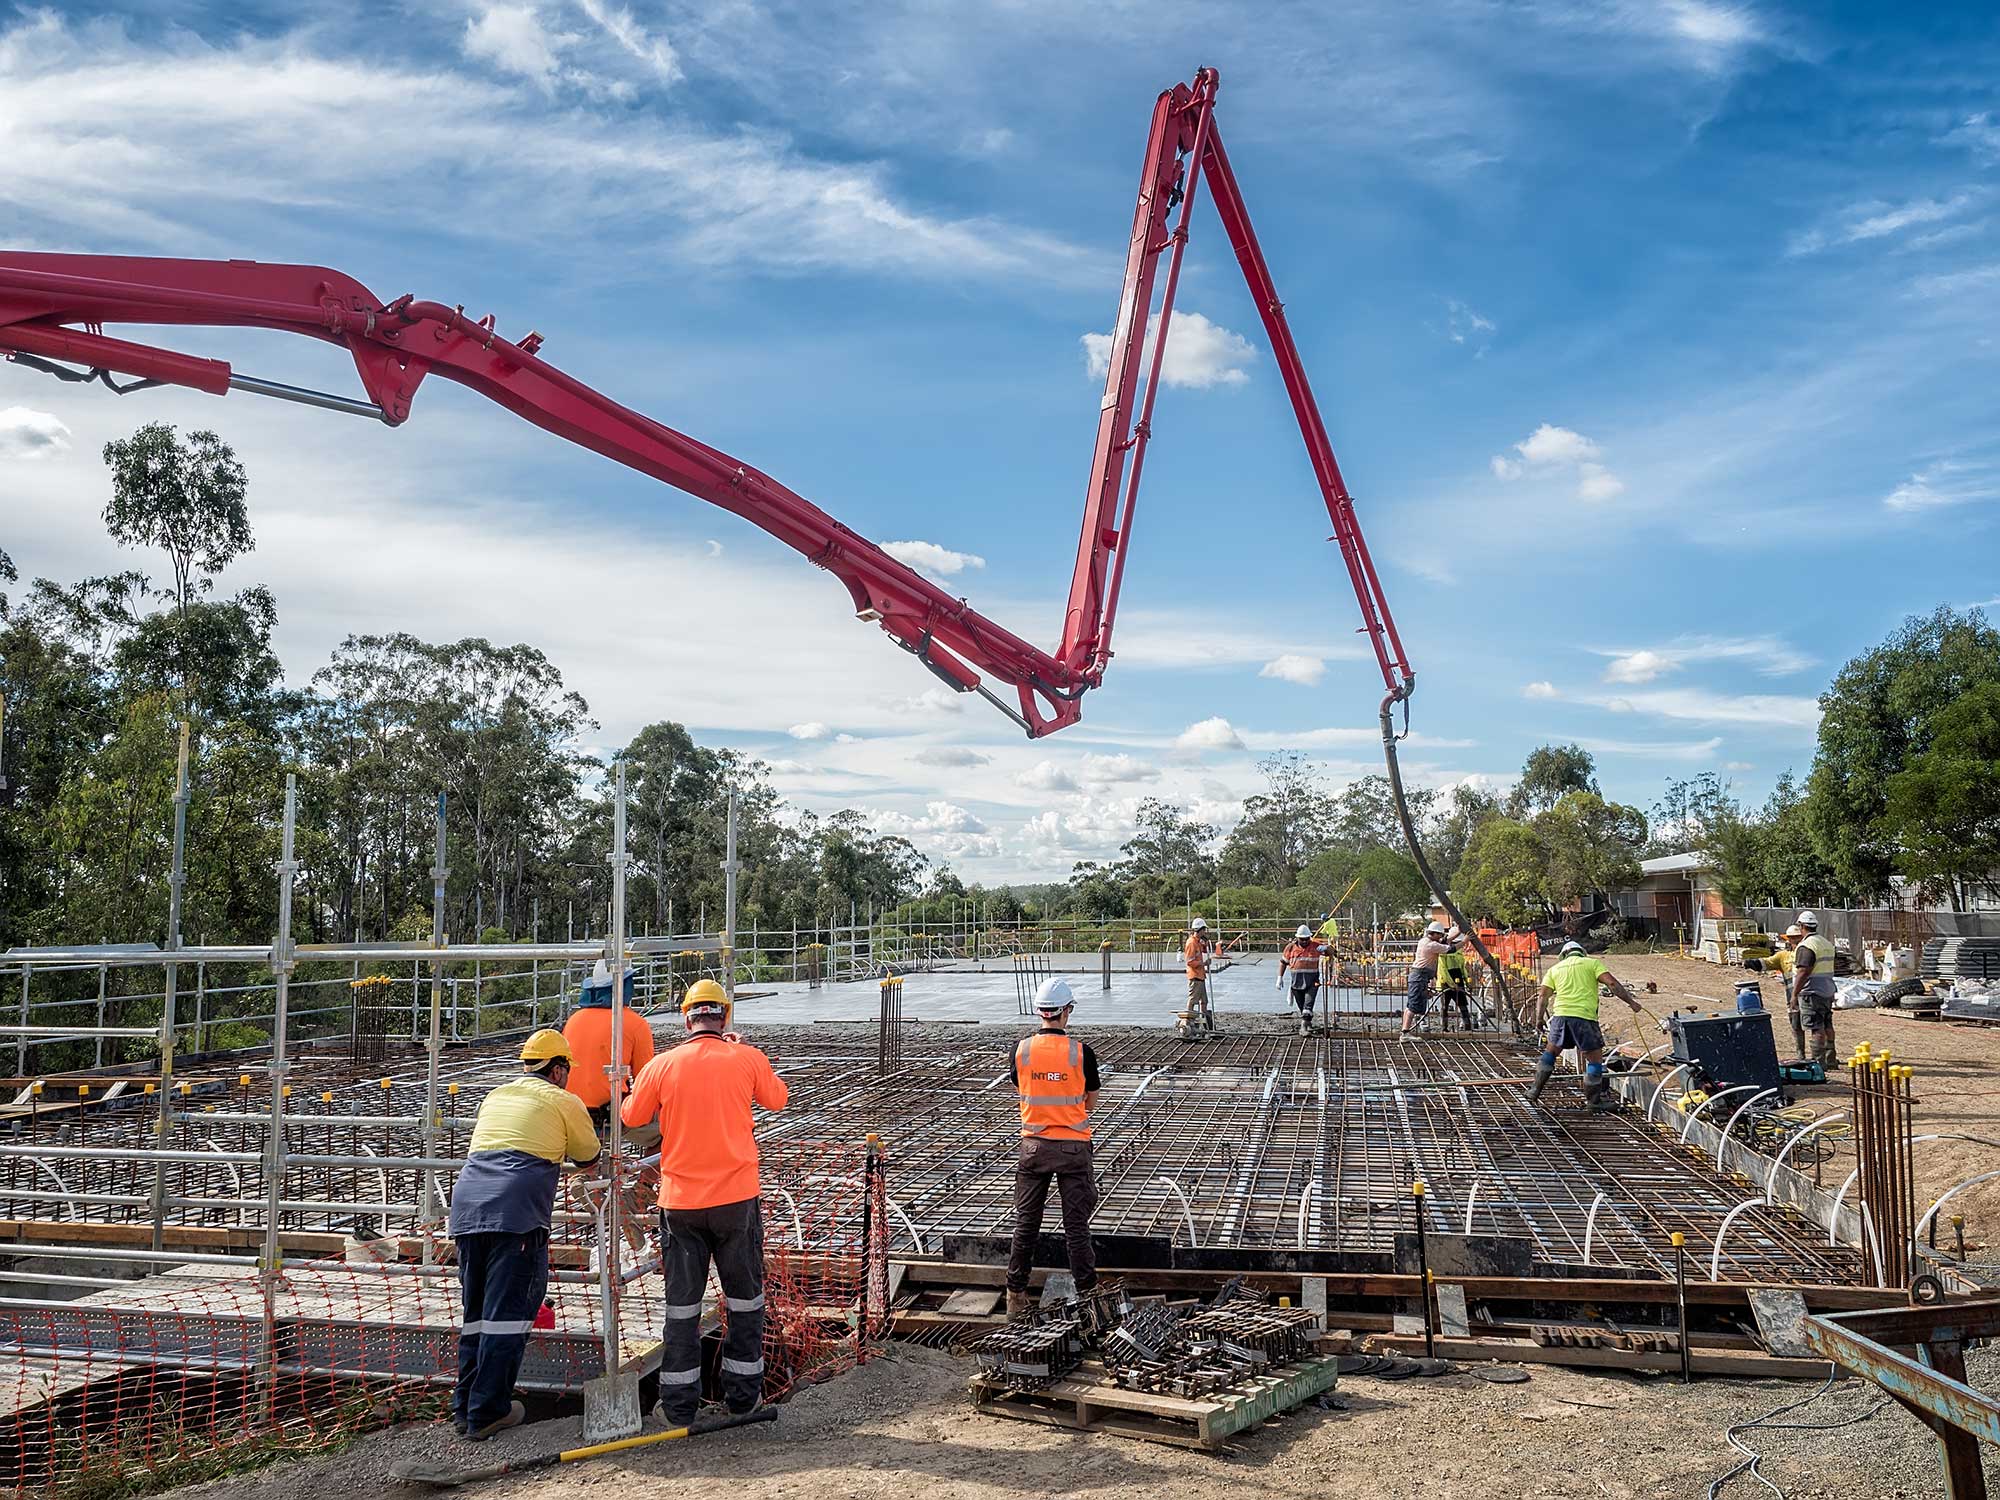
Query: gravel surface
{"type": "Point", "coordinates": [900, 1426]}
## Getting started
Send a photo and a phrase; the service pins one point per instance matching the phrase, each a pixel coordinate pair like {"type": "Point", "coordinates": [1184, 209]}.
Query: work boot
{"type": "Point", "coordinates": [1544, 1071]}
{"type": "Point", "coordinates": [1600, 1099]}
{"type": "Point", "coordinates": [1018, 1306]}
{"type": "Point", "coordinates": [515, 1415]}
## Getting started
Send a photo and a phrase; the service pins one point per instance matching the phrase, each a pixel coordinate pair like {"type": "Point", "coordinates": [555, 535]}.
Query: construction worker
{"type": "Point", "coordinates": [501, 1207]}
{"type": "Point", "coordinates": [1454, 983]}
{"type": "Point", "coordinates": [1056, 1077]}
{"type": "Point", "coordinates": [1570, 988]}
{"type": "Point", "coordinates": [710, 1211]}
{"type": "Point", "coordinates": [1432, 946]}
{"type": "Point", "coordinates": [1813, 990]}
{"type": "Point", "coordinates": [1299, 967]}
{"type": "Point", "coordinates": [1199, 1017]}
{"type": "Point", "coordinates": [588, 1032]}
{"type": "Point", "coordinates": [1329, 931]}
{"type": "Point", "coordinates": [1784, 958]}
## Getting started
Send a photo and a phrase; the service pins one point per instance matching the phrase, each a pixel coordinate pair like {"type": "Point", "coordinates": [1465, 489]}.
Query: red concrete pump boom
{"type": "Point", "coordinates": [53, 310]}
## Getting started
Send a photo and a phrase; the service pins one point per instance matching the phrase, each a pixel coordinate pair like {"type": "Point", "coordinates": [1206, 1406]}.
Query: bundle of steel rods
{"type": "Point", "coordinates": [1884, 1152]}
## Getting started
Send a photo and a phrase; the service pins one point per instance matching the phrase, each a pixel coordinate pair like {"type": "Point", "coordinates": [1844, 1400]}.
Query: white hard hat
{"type": "Point", "coordinates": [1807, 919]}
{"type": "Point", "coordinates": [1304, 931]}
{"type": "Point", "coordinates": [1572, 946]}
{"type": "Point", "coordinates": [1436, 927]}
{"type": "Point", "coordinates": [1197, 924]}
{"type": "Point", "coordinates": [1054, 995]}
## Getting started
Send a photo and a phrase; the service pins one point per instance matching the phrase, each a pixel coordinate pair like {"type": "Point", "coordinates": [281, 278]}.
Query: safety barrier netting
{"type": "Point", "coordinates": [210, 1367]}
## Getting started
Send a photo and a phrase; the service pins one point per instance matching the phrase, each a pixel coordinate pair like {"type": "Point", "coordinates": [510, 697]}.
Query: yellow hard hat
{"type": "Point", "coordinates": [704, 994]}
{"type": "Point", "coordinates": [545, 1047]}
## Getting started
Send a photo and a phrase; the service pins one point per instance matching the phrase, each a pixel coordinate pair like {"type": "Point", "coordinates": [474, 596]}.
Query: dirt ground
{"type": "Point", "coordinates": [900, 1427]}
{"type": "Point", "coordinates": [1957, 1079]}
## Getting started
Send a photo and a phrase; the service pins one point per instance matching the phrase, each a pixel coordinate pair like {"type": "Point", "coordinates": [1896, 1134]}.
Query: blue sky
{"type": "Point", "coordinates": [1657, 341]}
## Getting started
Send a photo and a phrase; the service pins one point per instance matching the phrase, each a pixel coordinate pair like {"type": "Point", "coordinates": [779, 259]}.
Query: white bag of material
{"type": "Point", "coordinates": [1856, 994]}
{"type": "Point", "coordinates": [1902, 963]}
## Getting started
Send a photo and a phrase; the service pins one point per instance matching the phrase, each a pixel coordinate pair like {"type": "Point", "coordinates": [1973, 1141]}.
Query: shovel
{"type": "Point", "coordinates": [413, 1472]}
{"type": "Point", "coordinates": [612, 1410]}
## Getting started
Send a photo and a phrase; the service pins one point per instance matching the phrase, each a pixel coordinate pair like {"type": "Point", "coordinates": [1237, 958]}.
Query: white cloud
{"type": "Point", "coordinates": [1637, 666]}
{"type": "Point", "coordinates": [788, 767]}
{"type": "Point", "coordinates": [943, 828]}
{"type": "Point", "coordinates": [1874, 220]}
{"type": "Point", "coordinates": [1951, 283]}
{"type": "Point", "coordinates": [30, 435]}
{"type": "Point", "coordinates": [1542, 689]}
{"type": "Point", "coordinates": [180, 145]}
{"type": "Point", "coordinates": [1112, 770]}
{"type": "Point", "coordinates": [1210, 734]}
{"type": "Point", "coordinates": [1430, 568]}
{"type": "Point", "coordinates": [1771, 657]}
{"type": "Point", "coordinates": [714, 547]}
{"type": "Point", "coordinates": [1306, 671]}
{"type": "Point", "coordinates": [1551, 451]}
{"type": "Point", "coordinates": [1662, 749]}
{"type": "Point", "coordinates": [951, 756]}
{"type": "Point", "coordinates": [1330, 737]}
{"type": "Point", "coordinates": [1199, 354]}
{"type": "Point", "coordinates": [811, 730]}
{"type": "Point", "coordinates": [655, 53]}
{"type": "Point", "coordinates": [1186, 638]}
{"type": "Point", "coordinates": [1595, 482]}
{"type": "Point", "coordinates": [929, 557]}
{"type": "Point", "coordinates": [1710, 25]}
{"type": "Point", "coordinates": [932, 700]}
{"type": "Point", "coordinates": [1740, 765]}
{"type": "Point", "coordinates": [1942, 485]}
{"type": "Point", "coordinates": [1700, 706]}
{"type": "Point", "coordinates": [1463, 324]}
{"type": "Point", "coordinates": [1047, 776]}
{"type": "Point", "coordinates": [1979, 134]}
{"type": "Point", "coordinates": [513, 39]}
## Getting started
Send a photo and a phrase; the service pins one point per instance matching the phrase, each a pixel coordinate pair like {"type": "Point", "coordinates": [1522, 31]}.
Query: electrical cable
{"type": "Point", "coordinates": [1753, 1458]}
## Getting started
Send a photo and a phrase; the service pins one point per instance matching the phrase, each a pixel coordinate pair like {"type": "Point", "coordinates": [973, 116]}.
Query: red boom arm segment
{"type": "Point", "coordinates": [53, 309]}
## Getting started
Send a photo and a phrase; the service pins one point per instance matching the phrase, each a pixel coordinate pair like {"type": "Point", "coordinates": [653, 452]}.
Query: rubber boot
{"type": "Point", "coordinates": [1018, 1306]}
{"type": "Point", "coordinates": [1544, 1071]}
{"type": "Point", "coordinates": [1798, 1034]}
{"type": "Point", "coordinates": [1599, 1096]}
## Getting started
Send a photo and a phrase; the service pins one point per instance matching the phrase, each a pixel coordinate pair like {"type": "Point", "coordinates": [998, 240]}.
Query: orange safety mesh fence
{"type": "Point", "coordinates": [204, 1368]}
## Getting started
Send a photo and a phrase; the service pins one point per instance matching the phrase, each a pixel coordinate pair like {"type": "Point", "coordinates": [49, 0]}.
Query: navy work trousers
{"type": "Point", "coordinates": [731, 1236]}
{"type": "Point", "coordinates": [504, 1278]}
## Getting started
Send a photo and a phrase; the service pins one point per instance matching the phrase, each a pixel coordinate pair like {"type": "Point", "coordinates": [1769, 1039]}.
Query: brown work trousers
{"type": "Point", "coordinates": [1071, 1166]}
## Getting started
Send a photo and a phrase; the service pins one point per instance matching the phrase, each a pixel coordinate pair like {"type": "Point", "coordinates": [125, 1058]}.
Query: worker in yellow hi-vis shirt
{"type": "Point", "coordinates": [1570, 987]}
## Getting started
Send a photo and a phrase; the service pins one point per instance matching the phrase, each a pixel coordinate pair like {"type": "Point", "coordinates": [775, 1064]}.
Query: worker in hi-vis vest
{"type": "Point", "coordinates": [1813, 989]}
{"type": "Point", "coordinates": [1298, 967]}
{"type": "Point", "coordinates": [1454, 983]}
{"type": "Point", "coordinates": [1200, 1014]}
{"type": "Point", "coordinates": [710, 1204]}
{"type": "Point", "coordinates": [1056, 1076]}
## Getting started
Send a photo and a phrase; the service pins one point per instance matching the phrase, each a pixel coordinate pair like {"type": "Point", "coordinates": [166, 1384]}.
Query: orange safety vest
{"type": "Point", "coordinates": [1302, 957]}
{"type": "Point", "coordinates": [1048, 1071]}
{"type": "Point", "coordinates": [1196, 954]}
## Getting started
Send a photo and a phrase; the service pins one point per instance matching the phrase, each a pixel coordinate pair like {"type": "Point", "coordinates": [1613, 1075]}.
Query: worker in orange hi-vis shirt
{"type": "Point", "coordinates": [588, 1032]}
{"type": "Point", "coordinates": [702, 1093]}
{"type": "Point", "coordinates": [1199, 1017]}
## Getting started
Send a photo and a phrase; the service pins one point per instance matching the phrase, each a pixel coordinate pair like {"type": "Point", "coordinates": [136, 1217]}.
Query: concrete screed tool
{"type": "Point", "coordinates": [412, 1472]}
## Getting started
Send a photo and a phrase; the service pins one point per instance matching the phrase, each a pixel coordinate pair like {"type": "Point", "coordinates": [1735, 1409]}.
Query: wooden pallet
{"type": "Point", "coordinates": [1089, 1401]}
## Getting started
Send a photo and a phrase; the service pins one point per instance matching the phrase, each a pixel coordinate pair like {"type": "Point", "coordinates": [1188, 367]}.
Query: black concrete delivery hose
{"type": "Point", "coordinates": [1390, 699]}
